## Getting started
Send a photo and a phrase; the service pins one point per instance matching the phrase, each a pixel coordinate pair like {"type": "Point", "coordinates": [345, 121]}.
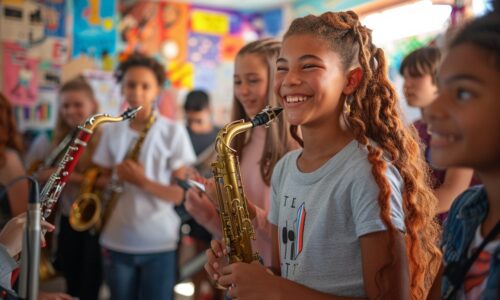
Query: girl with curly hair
{"type": "Point", "coordinates": [352, 210]}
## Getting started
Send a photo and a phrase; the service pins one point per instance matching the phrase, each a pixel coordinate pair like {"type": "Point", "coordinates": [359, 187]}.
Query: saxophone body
{"type": "Point", "coordinates": [236, 225]}
{"type": "Point", "coordinates": [92, 209]}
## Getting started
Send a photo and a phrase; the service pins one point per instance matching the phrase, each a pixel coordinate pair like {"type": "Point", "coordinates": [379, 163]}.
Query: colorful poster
{"type": "Point", "coordinates": [180, 74]}
{"type": "Point", "coordinates": [22, 22]}
{"type": "Point", "coordinates": [209, 22]}
{"type": "Point", "coordinates": [230, 45]}
{"type": "Point", "coordinates": [55, 18]}
{"type": "Point", "coordinates": [140, 28]}
{"type": "Point", "coordinates": [175, 21]}
{"type": "Point", "coordinates": [203, 49]}
{"type": "Point", "coordinates": [94, 27]}
{"type": "Point", "coordinates": [39, 115]}
{"type": "Point", "coordinates": [19, 74]}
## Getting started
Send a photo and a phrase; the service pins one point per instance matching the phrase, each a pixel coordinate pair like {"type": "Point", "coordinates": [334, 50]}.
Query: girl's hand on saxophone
{"type": "Point", "coordinates": [250, 281]}
{"type": "Point", "coordinates": [217, 258]}
{"type": "Point", "coordinates": [132, 172]}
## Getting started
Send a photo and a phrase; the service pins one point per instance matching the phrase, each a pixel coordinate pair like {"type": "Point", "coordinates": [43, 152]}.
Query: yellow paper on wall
{"type": "Point", "coordinates": [209, 22]}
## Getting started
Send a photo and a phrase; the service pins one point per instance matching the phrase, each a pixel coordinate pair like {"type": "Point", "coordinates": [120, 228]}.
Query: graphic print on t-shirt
{"type": "Point", "coordinates": [292, 234]}
{"type": "Point", "coordinates": [475, 280]}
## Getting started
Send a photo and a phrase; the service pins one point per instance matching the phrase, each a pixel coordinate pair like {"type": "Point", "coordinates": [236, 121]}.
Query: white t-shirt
{"type": "Point", "coordinates": [141, 222]}
{"type": "Point", "coordinates": [477, 276]}
{"type": "Point", "coordinates": [322, 214]}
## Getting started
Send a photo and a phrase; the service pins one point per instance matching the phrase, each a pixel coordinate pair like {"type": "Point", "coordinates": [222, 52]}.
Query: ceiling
{"type": "Point", "coordinates": [238, 4]}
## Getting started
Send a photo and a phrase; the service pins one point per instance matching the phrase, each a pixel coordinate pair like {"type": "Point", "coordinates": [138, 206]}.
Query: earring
{"type": "Point", "coordinates": [344, 118]}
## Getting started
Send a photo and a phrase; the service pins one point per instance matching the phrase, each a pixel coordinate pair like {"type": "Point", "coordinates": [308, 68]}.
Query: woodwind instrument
{"type": "Point", "coordinates": [54, 186]}
{"type": "Point", "coordinates": [233, 211]}
{"type": "Point", "coordinates": [91, 210]}
{"type": "Point", "coordinates": [50, 160]}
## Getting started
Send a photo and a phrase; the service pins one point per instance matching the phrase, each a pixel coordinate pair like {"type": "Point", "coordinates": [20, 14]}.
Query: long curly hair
{"type": "Point", "coordinates": [375, 121]}
{"type": "Point", "coordinates": [9, 136]}
{"type": "Point", "coordinates": [278, 141]}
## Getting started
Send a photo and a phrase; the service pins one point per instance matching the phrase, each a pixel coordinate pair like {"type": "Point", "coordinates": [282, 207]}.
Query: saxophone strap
{"type": "Point", "coordinates": [142, 135]}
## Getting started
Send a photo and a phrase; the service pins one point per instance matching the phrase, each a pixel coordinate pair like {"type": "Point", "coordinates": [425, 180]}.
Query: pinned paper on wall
{"type": "Point", "coordinates": [22, 22]}
{"type": "Point", "coordinates": [208, 22]}
{"type": "Point", "coordinates": [203, 49]}
{"type": "Point", "coordinates": [55, 18]}
{"type": "Point", "coordinates": [94, 27]}
{"type": "Point", "coordinates": [140, 27]}
{"type": "Point", "coordinates": [230, 45]}
{"type": "Point", "coordinates": [40, 115]}
{"type": "Point", "coordinates": [175, 20]}
{"type": "Point", "coordinates": [180, 74]}
{"type": "Point", "coordinates": [106, 90]}
{"type": "Point", "coordinates": [20, 84]}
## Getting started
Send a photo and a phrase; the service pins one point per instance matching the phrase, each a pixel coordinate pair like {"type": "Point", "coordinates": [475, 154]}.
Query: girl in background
{"type": "Point", "coordinates": [78, 253]}
{"type": "Point", "coordinates": [351, 210]}
{"type": "Point", "coordinates": [464, 123]}
{"type": "Point", "coordinates": [140, 238]}
{"type": "Point", "coordinates": [253, 77]}
{"type": "Point", "coordinates": [14, 201]}
{"type": "Point", "coordinates": [419, 69]}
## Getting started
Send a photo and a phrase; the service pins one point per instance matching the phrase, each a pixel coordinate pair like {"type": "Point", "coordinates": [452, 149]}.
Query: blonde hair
{"type": "Point", "coordinates": [277, 138]}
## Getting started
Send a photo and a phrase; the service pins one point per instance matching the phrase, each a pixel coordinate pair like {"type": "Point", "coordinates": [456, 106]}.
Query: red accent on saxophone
{"type": "Point", "coordinates": [54, 186]}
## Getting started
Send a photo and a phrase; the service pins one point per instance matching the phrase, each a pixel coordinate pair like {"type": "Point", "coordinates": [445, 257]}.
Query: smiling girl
{"type": "Point", "coordinates": [464, 124]}
{"type": "Point", "coordinates": [352, 215]}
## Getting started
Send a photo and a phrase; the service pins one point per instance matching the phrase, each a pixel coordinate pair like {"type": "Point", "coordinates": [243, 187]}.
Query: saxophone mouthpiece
{"type": "Point", "coordinates": [266, 116]}
{"type": "Point", "coordinates": [131, 112]}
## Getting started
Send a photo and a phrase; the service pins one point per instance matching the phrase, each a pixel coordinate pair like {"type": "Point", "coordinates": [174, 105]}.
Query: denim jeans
{"type": "Point", "coordinates": [140, 276]}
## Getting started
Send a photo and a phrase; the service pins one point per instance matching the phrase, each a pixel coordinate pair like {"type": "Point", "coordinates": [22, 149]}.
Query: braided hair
{"type": "Point", "coordinates": [375, 121]}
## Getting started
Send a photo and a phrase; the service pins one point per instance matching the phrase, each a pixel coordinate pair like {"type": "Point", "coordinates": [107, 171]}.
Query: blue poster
{"type": "Point", "coordinates": [94, 27]}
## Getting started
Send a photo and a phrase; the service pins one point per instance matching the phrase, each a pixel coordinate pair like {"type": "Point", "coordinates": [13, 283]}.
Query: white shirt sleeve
{"type": "Point", "coordinates": [182, 149]}
{"type": "Point", "coordinates": [7, 265]}
{"type": "Point", "coordinates": [102, 154]}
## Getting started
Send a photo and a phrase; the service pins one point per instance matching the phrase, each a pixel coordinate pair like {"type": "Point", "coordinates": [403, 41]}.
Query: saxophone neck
{"type": "Point", "coordinates": [95, 120]}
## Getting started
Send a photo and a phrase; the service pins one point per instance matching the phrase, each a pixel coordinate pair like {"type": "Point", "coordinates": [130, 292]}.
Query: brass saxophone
{"type": "Point", "coordinates": [233, 211]}
{"type": "Point", "coordinates": [90, 211]}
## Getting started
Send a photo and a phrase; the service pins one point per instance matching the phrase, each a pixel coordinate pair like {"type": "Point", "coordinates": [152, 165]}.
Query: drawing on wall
{"type": "Point", "coordinates": [20, 74]}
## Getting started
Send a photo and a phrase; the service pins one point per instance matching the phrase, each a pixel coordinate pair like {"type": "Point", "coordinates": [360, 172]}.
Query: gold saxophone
{"type": "Point", "coordinates": [92, 211]}
{"type": "Point", "coordinates": [233, 211]}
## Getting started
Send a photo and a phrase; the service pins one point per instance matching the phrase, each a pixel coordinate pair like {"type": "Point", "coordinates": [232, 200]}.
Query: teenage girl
{"type": "Point", "coordinates": [258, 149]}
{"type": "Point", "coordinates": [140, 238]}
{"type": "Point", "coordinates": [464, 124]}
{"type": "Point", "coordinates": [352, 214]}
{"type": "Point", "coordinates": [419, 69]}
{"type": "Point", "coordinates": [78, 253]}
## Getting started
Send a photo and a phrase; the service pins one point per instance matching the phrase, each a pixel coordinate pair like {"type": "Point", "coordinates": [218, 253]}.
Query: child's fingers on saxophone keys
{"type": "Point", "coordinates": [218, 248]}
{"type": "Point", "coordinates": [211, 265]}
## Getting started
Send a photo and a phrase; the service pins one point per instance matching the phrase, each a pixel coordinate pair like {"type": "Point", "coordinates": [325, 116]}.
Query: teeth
{"type": "Point", "coordinates": [448, 138]}
{"type": "Point", "coordinates": [295, 99]}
